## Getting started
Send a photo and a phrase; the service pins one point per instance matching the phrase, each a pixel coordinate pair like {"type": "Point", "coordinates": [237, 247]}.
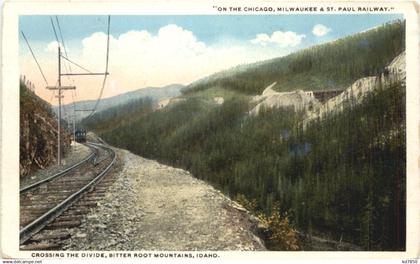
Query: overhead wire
{"type": "Point", "coordinates": [76, 64]}
{"type": "Point", "coordinates": [106, 70]}
{"type": "Point", "coordinates": [61, 36]}
{"type": "Point", "coordinates": [74, 92]}
{"type": "Point", "coordinates": [81, 67]}
{"type": "Point", "coordinates": [33, 55]}
{"type": "Point", "coordinates": [65, 49]}
{"type": "Point", "coordinates": [67, 64]}
{"type": "Point", "coordinates": [52, 95]}
{"type": "Point", "coordinates": [82, 104]}
{"type": "Point", "coordinates": [55, 32]}
{"type": "Point", "coordinates": [74, 112]}
{"type": "Point", "coordinates": [59, 43]}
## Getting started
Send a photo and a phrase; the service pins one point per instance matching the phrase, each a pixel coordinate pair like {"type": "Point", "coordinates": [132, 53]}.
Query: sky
{"type": "Point", "coordinates": [161, 50]}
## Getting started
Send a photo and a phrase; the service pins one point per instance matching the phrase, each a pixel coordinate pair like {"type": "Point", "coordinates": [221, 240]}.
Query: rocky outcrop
{"type": "Point", "coordinates": [163, 103]}
{"type": "Point", "coordinates": [297, 100]}
{"type": "Point", "coordinates": [305, 100]}
{"type": "Point", "coordinates": [38, 133]}
{"type": "Point", "coordinates": [170, 102]}
{"type": "Point", "coordinates": [398, 66]}
{"type": "Point", "coordinates": [218, 100]}
{"type": "Point", "coordinates": [355, 93]}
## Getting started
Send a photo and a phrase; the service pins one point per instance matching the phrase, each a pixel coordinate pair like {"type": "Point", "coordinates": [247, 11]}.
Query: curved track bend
{"type": "Point", "coordinates": [50, 206]}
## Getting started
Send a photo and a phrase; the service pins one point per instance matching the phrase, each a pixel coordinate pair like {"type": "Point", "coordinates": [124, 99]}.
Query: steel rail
{"type": "Point", "coordinates": [102, 144]}
{"type": "Point", "coordinates": [97, 145]}
{"type": "Point", "coordinates": [61, 173]}
{"type": "Point", "coordinates": [38, 224]}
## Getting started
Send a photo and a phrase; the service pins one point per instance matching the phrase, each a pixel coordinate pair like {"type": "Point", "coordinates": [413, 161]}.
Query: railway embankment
{"type": "Point", "coordinates": [151, 206]}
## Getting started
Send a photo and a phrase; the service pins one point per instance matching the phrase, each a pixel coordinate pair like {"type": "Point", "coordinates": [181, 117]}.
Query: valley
{"type": "Point", "coordinates": [305, 151]}
{"type": "Point", "coordinates": [331, 168]}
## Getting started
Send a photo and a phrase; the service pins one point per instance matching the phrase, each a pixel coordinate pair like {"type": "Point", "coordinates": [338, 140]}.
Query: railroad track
{"type": "Point", "coordinates": [51, 206]}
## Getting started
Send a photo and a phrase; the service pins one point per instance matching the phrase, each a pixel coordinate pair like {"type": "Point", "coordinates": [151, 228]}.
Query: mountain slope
{"type": "Point", "coordinates": [154, 93]}
{"type": "Point", "coordinates": [354, 94]}
{"type": "Point", "coordinates": [342, 178]}
{"type": "Point", "coordinates": [334, 65]}
{"type": "Point", "coordinates": [118, 115]}
{"type": "Point", "coordinates": [394, 72]}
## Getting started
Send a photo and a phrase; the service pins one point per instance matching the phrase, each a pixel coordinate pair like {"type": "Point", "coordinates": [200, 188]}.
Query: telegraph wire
{"type": "Point", "coordinates": [33, 55]}
{"type": "Point", "coordinates": [66, 65]}
{"type": "Point", "coordinates": [52, 95]}
{"type": "Point", "coordinates": [61, 35]}
{"type": "Point", "coordinates": [65, 49]}
{"type": "Point", "coordinates": [55, 32]}
{"type": "Point", "coordinates": [81, 67]}
{"type": "Point", "coordinates": [70, 61]}
{"type": "Point", "coordinates": [58, 41]}
{"type": "Point", "coordinates": [106, 70]}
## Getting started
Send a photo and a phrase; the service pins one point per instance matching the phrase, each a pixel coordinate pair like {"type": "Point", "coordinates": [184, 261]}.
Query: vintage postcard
{"type": "Point", "coordinates": [197, 131]}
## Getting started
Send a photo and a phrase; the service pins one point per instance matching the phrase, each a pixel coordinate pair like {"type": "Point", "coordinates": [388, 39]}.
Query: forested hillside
{"type": "Point", "coordinates": [333, 65]}
{"type": "Point", "coordinates": [116, 116]}
{"type": "Point", "coordinates": [154, 93]}
{"type": "Point", "coordinates": [342, 178]}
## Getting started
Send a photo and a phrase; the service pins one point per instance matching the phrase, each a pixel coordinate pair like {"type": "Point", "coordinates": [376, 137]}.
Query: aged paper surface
{"type": "Point", "coordinates": [195, 40]}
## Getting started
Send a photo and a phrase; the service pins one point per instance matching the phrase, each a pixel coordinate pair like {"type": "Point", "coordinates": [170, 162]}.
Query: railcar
{"type": "Point", "coordinates": [80, 135]}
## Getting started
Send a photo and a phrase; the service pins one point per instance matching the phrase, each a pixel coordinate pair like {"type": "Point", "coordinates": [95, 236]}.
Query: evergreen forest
{"type": "Point", "coordinates": [342, 177]}
{"type": "Point", "coordinates": [334, 65]}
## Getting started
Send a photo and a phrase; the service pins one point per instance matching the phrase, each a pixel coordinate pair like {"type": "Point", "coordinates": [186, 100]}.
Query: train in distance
{"type": "Point", "coordinates": [80, 135]}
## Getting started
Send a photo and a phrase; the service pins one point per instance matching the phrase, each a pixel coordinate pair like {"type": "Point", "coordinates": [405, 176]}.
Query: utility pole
{"type": "Point", "coordinates": [74, 125]}
{"type": "Point", "coordinates": [60, 88]}
{"type": "Point", "coordinates": [59, 107]}
{"type": "Point", "coordinates": [74, 120]}
{"type": "Point", "coordinates": [59, 96]}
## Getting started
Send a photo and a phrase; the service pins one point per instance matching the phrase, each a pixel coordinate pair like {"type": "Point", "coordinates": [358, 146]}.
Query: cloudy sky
{"type": "Point", "coordinates": [161, 50]}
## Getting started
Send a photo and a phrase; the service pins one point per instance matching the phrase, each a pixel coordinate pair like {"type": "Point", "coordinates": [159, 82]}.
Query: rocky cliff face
{"type": "Point", "coordinates": [355, 93]}
{"type": "Point", "coordinates": [297, 100]}
{"type": "Point", "coordinates": [38, 133]}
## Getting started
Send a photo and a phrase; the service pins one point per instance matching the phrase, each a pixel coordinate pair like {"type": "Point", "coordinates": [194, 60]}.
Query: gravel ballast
{"type": "Point", "coordinates": [151, 206]}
